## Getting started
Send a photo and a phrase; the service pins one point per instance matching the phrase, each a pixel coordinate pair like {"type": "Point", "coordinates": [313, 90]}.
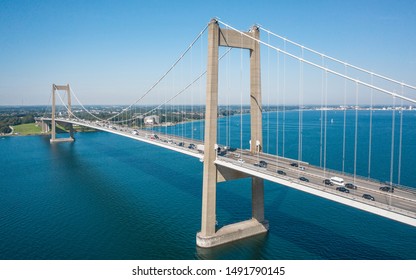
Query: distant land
{"type": "Point", "coordinates": [21, 120]}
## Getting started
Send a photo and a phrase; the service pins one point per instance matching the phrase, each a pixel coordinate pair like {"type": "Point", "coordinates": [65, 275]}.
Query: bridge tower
{"type": "Point", "coordinates": [208, 236]}
{"type": "Point", "coordinates": [69, 126]}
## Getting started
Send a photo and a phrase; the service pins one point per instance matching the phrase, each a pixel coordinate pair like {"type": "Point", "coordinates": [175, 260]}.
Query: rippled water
{"type": "Point", "coordinates": [109, 197]}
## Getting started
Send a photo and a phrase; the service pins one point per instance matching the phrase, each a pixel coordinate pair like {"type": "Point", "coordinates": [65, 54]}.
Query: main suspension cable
{"type": "Point", "coordinates": [339, 61]}
{"type": "Point", "coordinates": [323, 68]}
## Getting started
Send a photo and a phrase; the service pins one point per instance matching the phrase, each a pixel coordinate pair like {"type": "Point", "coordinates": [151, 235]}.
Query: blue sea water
{"type": "Point", "coordinates": [109, 197]}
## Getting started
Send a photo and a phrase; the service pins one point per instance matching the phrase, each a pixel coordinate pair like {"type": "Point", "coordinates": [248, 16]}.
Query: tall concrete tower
{"type": "Point", "coordinates": [208, 236]}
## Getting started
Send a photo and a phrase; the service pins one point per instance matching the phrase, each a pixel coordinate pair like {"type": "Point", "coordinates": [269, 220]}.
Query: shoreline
{"type": "Point", "coordinates": [13, 133]}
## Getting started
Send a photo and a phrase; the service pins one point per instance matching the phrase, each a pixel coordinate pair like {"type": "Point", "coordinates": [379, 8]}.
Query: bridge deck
{"type": "Point", "coordinates": [399, 206]}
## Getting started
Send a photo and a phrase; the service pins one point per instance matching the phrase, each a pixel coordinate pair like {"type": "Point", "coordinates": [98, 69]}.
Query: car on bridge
{"type": "Point", "coordinates": [304, 179]}
{"type": "Point", "coordinates": [351, 186]}
{"type": "Point", "coordinates": [387, 189]}
{"type": "Point", "coordinates": [337, 181]}
{"type": "Point", "coordinates": [342, 189]}
{"type": "Point", "coordinates": [262, 163]}
{"type": "Point", "coordinates": [369, 197]}
{"type": "Point", "coordinates": [294, 164]}
{"type": "Point", "coordinates": [281, 172]}
{"type": "Point", "coordinates": [327, 182]}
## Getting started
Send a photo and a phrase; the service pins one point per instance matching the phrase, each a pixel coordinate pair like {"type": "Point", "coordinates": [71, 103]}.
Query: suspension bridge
{"type": "Point", "coordinates": [254, 158]}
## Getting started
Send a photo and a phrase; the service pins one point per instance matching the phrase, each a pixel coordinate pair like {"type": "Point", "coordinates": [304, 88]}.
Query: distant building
{"type": "Point", "coordinates": [151, 120]}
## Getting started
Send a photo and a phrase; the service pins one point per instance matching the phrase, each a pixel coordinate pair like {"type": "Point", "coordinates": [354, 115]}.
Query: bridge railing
{"type": "Point", "coordinates": [381, 182]}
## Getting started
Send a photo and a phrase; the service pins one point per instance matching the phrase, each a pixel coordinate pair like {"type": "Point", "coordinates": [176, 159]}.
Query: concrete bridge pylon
{"type": "Point", "coordinates": [53, 124]}
{"type": "Point", "coordinates": [209, 236]}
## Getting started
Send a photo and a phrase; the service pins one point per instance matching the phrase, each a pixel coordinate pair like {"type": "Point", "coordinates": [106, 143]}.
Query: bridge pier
{"type": "Point", "coordinates": [71, 130]}
{"type": "Point", "coordinates": [45, 127]}
{"type": "Point", "coordinates": [208, 236]}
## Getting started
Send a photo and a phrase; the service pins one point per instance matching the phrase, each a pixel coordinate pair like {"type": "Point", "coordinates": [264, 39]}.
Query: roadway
{"type": "Point", "coordinates": [402, 200]}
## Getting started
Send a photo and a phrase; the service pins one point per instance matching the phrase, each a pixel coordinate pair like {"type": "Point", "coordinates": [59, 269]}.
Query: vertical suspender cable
{"type": "Point", "coordinates": [166, 113]}
{"type": "Point", "coordinates": [345, 121]}
{"type": "Point", "coordinates": [300, 108]}
{"type": "Point", "coordinates": [228, 124]}
{"type": "Point", "coordinates": [173, 123]}
{"type": "Point", "coordinates": [192, 100]}
{"type": "Point", "coordinates": [370, 138]}
{"type": "Point", "coordinates": [201, 98]}
{"type": "Point", "coordinates": [284, 101]}
{"type": "Point", "coordinates": [393, 118]}
{"type": "Point", "coordinates": [356, 131]}
{"type": "Point", "coordinates": [322, 115]}
{"type": "Point", "coordinates": [259, 121]}
{"type": "Point", "coordinates": [183, 115]}
{"type": "Point", "coordinates": [399, 167]}
{"type": "Point", "coordinates": [277, 109]}
{"type": "Point", "coordinates": [241, 100]}
{"type": "Point", "coordinates": [268, 94]}
{"type": "Point", "coordinates": [218, 118]}
{"type": "Point", "coordinates": [325, 118]}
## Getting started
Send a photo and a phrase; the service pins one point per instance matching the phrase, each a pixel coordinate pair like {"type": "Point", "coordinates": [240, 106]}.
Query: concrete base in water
{"type": "Point", "coordinates": [57, 140]}
{"type": "Point", "coordinates": [232, 232]}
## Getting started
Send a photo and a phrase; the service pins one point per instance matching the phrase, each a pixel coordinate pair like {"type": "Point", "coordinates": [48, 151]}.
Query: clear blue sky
{"type": "Point", "coordinates": [112, 51]}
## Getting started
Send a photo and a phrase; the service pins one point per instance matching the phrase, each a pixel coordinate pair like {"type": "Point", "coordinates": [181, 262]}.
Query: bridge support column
{"type": "Point", "coordinates": [208, 236]}
{"type": "Point", "coordinates": [257, 185]}
{"type": "Point", "coordinates": [71, 132]}
{"type": "Point", "coordinates": [45, 127]}
{"type": "Point", "coordinates": [210, 170]}
{"type": "Point", "coordinates": [53, 132]}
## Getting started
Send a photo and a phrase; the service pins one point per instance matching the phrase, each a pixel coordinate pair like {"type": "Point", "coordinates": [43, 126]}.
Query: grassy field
{"type": "Point", "coordinates": [27, 129]}
{"type": "Point", "coordinates": [31, 128]}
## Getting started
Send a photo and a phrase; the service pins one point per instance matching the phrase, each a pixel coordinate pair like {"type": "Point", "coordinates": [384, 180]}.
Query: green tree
{"type": "Point", "coordinates": [5, 129]}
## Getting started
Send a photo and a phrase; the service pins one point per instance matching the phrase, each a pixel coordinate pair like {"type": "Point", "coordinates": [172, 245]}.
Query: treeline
{"type": "Point", "coordinates": [7, 121]}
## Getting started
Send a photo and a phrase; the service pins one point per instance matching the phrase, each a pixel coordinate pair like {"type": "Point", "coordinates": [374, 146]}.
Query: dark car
{"type": "Point", "coordinates": [281, 172]}
{"type": "Point", "coordinates": [387, 189]}
{"type": "Point", "coordinates": [262, 163]}
{"type": "Point", "coordinates": [342, 189]}
{"type": "Point", "coordinates": [304, 179]}
{"type": "Point", "coordinates": [351, 186]}
{"type": "Point", "coordinates": [369, 197]}
{"type": "Point", "coordinates": [191, 146]}
{"type": "Point", "coordinates": [294, 164]}
{"type": "Point", "coordinates": [327, 182]}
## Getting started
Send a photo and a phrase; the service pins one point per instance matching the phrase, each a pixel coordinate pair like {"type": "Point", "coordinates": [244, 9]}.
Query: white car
{"type": "Point", "coordinates": [240, 160]}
